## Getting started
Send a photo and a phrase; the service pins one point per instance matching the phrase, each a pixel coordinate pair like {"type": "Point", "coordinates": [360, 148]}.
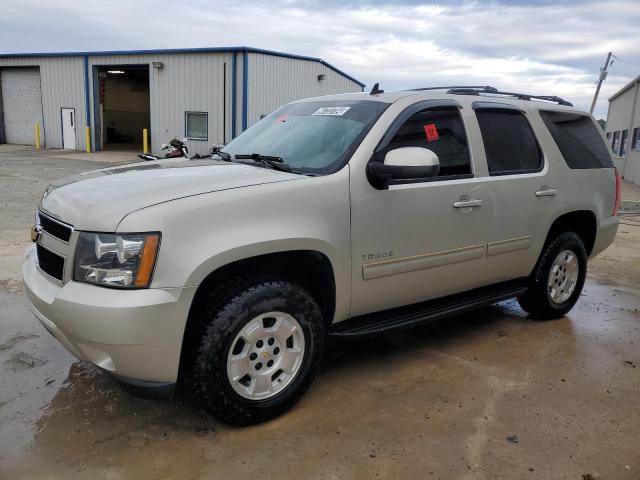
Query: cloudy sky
{"type": "Point", "coordinates": [544, 47]}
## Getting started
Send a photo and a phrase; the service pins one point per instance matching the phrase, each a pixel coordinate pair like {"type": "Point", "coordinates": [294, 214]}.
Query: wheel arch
{"type": "Point", "coordinates": [582, 222]}
{"type": "Point", "coordinates": [311, 269]}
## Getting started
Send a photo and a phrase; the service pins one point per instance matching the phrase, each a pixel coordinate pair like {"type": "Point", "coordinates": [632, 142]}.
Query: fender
{"type": "Point", "coordinates": [205, 232]}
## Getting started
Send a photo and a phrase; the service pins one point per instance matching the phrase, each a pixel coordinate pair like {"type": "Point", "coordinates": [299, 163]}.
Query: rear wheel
{"type": "Point", "coordinates": [259, 351]}
{"type": "Point", "coordinates": [557, 281]}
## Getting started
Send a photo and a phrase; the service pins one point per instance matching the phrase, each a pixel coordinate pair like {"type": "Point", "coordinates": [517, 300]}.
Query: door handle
{"type": "Point", "coordinates": [548, 192]}
{"type": "Point", "coordinates": [473, 202]}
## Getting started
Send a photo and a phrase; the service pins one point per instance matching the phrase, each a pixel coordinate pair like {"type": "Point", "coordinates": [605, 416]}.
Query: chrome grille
{"type": "Point", "coordinates": [54, 227]}
{"type": "Point", "coordinates": [50, 263]}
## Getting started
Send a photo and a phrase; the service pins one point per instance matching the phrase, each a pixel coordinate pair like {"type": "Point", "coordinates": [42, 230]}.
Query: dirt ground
{"type": "Point", "coordinates": [490, 394]}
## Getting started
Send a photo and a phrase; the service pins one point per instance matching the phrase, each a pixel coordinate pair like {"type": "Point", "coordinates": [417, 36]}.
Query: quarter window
{"type": "Point", "coordinates": [578, 138]}
{"type": "Point", "coordinates": [197, 126]}
{"type": "Point", "coordinates": [509, 142]}
{"type": "Point", "coordinates": [441, 130]}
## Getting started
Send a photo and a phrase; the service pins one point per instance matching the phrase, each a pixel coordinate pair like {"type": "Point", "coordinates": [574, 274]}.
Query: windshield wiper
{"type": "Point", "coordinates": [277, 163]}
{"type": "Point", "coordinates": [223, 155]}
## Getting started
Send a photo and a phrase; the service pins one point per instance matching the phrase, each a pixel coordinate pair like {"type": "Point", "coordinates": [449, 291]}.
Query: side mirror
{"type": "Point", "coordinates": [406, 163]}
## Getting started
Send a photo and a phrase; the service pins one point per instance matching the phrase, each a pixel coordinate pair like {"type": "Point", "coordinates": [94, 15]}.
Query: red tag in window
{"type": "Point", "coordinates": [431, 131]}
{"type": "Point", "coordinates": [282, 119]}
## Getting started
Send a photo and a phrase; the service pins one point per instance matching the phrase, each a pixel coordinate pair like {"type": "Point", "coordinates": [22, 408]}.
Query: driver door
{"type": "Point", "coordinates": [426, 238]}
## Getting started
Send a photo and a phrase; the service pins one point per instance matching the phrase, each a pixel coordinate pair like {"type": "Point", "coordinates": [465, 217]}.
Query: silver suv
{"type": "Point", "coordinates": [341, 215]}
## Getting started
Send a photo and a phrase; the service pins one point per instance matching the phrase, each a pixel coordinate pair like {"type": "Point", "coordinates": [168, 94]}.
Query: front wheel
{"type": "Point", "coordinates": [557, 281]}
{"type": "Point", "coordinates": [259, 352]}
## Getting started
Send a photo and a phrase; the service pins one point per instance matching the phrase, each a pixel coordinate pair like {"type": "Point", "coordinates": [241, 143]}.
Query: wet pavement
{"type": "Point", "coordinates": [489, 394]}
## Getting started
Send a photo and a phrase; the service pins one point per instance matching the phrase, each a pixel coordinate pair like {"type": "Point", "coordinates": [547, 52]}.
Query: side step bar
{"type": "Point", "coordinates": [429, 311]}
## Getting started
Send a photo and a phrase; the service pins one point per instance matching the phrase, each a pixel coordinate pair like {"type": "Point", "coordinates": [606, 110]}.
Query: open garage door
{"type": "Point", "coordinates": [21, 104]}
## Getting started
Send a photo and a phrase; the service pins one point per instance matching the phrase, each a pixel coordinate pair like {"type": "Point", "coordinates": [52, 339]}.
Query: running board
{"type": "Point", "coordinates": [429, 311]}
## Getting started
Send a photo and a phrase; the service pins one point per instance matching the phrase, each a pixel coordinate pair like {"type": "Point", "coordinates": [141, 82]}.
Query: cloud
{"type": "Point", "coordinates": [553, 48]}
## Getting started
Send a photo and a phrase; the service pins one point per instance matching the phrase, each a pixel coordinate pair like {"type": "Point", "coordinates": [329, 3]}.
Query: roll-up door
{"type": "Point", "coordinates": [21, 104]}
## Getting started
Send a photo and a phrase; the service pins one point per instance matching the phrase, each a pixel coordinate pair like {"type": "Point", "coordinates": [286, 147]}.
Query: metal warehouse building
{"type": "Point", "coordinates": [208, 95]}
{"type": "Point", "coordinates": [623, 130]}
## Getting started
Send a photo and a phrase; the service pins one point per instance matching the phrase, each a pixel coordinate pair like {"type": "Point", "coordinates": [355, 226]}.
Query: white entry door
{"type": "Point", "coordinates": [69, 128]}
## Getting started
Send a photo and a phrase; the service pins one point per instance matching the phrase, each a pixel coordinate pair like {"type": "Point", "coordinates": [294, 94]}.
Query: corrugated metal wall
{"type": "Point", "coordinates": [274, 81]}
{"type": "Point", "coordinates": [62, 82]}
{"type": "Point", "coordinates": [187, 82]}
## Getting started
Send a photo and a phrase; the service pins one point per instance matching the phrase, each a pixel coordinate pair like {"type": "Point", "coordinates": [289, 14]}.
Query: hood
{"type": "Point", "coordinates": [98, 200]}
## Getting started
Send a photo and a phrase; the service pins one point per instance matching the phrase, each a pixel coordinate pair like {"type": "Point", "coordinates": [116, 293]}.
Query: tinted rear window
{"type": "Point", "coordinates": [578, 139]}
{"type": "Point", "coordinates": [509, 142]}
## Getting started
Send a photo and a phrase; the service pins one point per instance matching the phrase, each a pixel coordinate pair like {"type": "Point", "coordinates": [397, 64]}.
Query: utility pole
{"type": "Point", "coordinates": [603, 75]}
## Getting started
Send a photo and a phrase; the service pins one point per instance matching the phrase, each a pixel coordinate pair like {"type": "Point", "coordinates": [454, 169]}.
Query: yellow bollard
{"type": "Point", "coordinates": [145, 140]}
{"type": "Point", "coordinates": [38, 136]}
{"type": "Point", "coordinates": [87, 139]}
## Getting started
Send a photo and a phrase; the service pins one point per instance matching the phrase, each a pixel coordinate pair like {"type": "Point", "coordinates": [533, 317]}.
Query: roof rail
{"type": "Point", "coordinates": [477, 90]}
{"type": "Point", "coordinates": [475, 87]}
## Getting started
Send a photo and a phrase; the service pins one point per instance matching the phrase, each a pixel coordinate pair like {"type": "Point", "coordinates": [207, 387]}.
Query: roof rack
{"type": "Point", "coordinates": [477, 90]}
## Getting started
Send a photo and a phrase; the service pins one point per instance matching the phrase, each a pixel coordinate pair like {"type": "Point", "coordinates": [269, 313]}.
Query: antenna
{"type": "Point", "coordinates": [376, 89]}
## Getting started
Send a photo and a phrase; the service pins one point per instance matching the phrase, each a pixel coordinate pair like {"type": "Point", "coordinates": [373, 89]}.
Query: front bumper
{"type": "Point", "coordinates": [135, 334]}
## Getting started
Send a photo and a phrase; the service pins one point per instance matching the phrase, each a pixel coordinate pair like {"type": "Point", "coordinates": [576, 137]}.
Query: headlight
{"type": "Point", "coordinates": [125, 261]}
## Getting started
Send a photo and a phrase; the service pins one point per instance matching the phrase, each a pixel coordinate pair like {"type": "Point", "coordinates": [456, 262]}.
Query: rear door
{"type": "Point", "coordinates": [522, 194]}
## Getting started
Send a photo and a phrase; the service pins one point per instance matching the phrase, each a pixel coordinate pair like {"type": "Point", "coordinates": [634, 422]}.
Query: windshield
{"type": "Point", "coordinates": [311, 137]}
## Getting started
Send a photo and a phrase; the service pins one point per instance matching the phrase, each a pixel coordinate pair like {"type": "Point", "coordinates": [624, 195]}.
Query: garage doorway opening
{"type": "Point", "coordinates": [124, 106]}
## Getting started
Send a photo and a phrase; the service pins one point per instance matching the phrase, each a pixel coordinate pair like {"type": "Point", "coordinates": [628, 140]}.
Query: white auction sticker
{"type": "Point", "coordinates": [331, 111]}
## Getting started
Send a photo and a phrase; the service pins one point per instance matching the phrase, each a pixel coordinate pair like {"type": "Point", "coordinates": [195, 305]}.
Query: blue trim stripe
{"type": "Point", "coordinates": [184, 50]}
{"type": "Point", "coordinates": [245, 89]}
{"type": "Point", "coordinates": [86, 96]}
{"type": "Point", "coordinates": [234, 82]}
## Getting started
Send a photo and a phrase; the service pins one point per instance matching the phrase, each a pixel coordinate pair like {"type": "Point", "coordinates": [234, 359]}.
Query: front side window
{"type": "Point", "coordinates": [509, 142]}
{"type": "Point", "coordinates": [578, 139]}
{"type": "Point", "coordinates": [624, 140]}
{"type": "Point", "coordinates": [197, 126]}
{"type": "Point", "coordinates": [441, 130]}
{"type": "Point", "coordinates": [315, 137]}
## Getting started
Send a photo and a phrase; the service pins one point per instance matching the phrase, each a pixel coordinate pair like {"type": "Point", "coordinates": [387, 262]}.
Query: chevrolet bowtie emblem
{"type": "Point", "coordinates": [36, 230]}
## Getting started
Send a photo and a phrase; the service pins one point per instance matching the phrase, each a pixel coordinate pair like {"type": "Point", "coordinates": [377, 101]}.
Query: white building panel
{"type": "Point", "coordinates": [197, 80]}
{"type": "Point", "coordinates": [276, 80]}
{"type": "Point", "coordinates": [62, 86]}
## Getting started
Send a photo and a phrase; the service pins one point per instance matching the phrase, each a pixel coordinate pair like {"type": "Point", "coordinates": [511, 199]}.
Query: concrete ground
{"type": "Point", "coordinates": [489, 394]}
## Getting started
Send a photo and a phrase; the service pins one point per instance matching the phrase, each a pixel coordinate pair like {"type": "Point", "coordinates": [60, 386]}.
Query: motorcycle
{"type": "Point", "coordinates": [176, 148]}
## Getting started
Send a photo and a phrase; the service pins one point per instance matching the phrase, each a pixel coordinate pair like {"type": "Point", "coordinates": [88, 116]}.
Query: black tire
{"type": "Point", "coordinates": [537, 299]}
{"type": "Point", "coordinates": [222, 317]}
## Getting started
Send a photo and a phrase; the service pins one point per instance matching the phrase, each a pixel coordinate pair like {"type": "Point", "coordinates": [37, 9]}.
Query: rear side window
{"type": "Point", "coordinates": [578, 139]}
{"type": "Point", "coordinates": [509, 142]}
{"type": "Point", "coordinates": [440, 130]}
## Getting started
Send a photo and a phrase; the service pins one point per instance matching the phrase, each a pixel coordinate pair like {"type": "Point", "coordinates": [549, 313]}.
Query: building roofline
{"type": "Point", "coordinates": [628, 86]}
{"type": "Point", "coordinates": [184, 50]}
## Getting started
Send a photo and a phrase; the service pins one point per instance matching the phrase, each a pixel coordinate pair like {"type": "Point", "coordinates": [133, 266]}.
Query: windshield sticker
{"type": "Point", "coordinates": [431, 131]}
{"type": "Point", "coordinates": [334, 111]}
